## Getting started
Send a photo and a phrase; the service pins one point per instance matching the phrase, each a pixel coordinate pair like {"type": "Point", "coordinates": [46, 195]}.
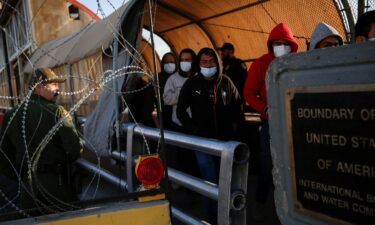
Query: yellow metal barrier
{"type": "Point", "coordinates": [157, 214]}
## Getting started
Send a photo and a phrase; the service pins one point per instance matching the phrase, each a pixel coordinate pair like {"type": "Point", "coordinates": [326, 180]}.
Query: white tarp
{"type": "Point", "coordinates": [69, 49]}
{"type": "Point", "coordinates": [99, 126]}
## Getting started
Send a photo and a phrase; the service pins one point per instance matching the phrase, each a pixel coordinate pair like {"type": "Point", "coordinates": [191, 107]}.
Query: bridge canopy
{"type": "Point", "coordinates": [244, 23]}
{"type": "Point", "coordinates": [199, 23]}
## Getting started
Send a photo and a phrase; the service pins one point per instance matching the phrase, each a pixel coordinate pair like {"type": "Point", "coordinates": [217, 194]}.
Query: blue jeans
{"type": "Point", "coordinates": [208, 170]}
{"type": "Point", "coordinates": [264, 181]}
{"type": "Point", "coordinates": [207, 167]}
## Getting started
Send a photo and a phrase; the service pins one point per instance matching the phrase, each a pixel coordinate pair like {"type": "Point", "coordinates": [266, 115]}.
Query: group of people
{"type": "Point", "coordinates": [202, 94]}
{"type": "Point", "coordinates": [206, 99]}
{"type": "Point", "coordinates": [201, 100]}
{"type": "Point", "coordinates": [282, 42]}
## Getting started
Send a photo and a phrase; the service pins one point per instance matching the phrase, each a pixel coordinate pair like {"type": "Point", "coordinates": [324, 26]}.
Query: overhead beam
{"type": "Point", "coordinates": [350, 18]}
{"type": "Point", "coordinates": [361, 7]}
{"type": "Point", "coordinates": [214, 16]}
{"type": "Point", "coordinates": [189, 17]}
{"type": "Point", "coordinates": [171, 46]}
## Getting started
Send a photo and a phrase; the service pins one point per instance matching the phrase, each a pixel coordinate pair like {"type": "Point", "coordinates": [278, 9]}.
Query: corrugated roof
{"type": "Point", "coordinates": [201, 23]}
{"type": "Point", "coordinates": [245, 23]}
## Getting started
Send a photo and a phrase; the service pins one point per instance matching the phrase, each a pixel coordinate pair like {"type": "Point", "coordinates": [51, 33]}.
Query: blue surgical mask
{"type": "Point", "coordinates": [208, 72]}
{"type": "Point", "coordinates": [185, 66]}
{"type": "Point", "coordinates": [169, 67]}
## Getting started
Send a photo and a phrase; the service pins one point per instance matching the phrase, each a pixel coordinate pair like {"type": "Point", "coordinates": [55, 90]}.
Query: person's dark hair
{"type": "Point", "coordinates": [227, 46]}
{"type": "Point", "coordinates": [363, 25]}
{"type": "Point", "coordinates": [163, 61]}
{"type": "Point", "coordinates": [210, 52]}
{"type": "Point", "coordinates": [193, 63]}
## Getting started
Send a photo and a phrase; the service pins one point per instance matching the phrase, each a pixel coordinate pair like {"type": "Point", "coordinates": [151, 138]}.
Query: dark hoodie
{"type": "Point", "coordinates": [215, 104]}
{"type": "Point", "coordinates": [255, 83]}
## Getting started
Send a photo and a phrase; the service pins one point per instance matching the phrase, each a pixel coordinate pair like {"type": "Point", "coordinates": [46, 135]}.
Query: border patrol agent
{"type": "Point", "coordinates": [44, 169]}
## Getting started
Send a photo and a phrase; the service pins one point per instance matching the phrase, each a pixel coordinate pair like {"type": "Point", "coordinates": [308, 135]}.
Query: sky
{"type": "Point", "coordinates": [108, 6]}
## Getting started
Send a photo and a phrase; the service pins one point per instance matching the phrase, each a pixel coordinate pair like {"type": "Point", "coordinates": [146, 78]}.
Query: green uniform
{"type": "Point", "coordinates": [64, 147]}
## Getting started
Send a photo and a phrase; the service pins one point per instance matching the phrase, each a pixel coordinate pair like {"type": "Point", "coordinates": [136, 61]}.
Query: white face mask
{"type": "Point", "coordinates": [371, 39]}
{"type": "Point", "coordinates": [169, 67]}
{"type": "Point", "coordinates": [208, 72]}
{"type": "Point", "coordinates": [185, 66]}
{"type": "Point", "coordinates": [281, 50]}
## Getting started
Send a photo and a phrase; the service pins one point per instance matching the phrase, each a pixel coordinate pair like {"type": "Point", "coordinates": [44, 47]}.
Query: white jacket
{"type": "Point", "coordinates": [172, 91]}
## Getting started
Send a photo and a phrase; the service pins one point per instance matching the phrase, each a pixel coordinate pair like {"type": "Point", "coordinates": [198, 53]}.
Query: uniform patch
{"type": "Point", "coordinates": [64, 113]}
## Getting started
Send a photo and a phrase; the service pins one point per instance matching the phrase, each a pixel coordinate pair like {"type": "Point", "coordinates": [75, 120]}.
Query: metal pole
{"type": "Point", "coordinates": [361, 7]}
{"type": "Point", "coordinates": [102, 173]}
{"type": "Point", "coordinates": [70, 83]}
{"type": "Point", "coordinates": [205, 145]}
{"type": "Point", "coordinates": [185, 218]}
{"type": "Point", "coordinates": [114, 68]}
{"type": "Point", "coordinates": [349, 16]}
{"type": "Point", "coordinates": [21, 77]}
{"type": "Point", "coordinates": [205, 188]}
{"type": "Point", "coordinates": [157, 91]}
{"type": "Point", "coordinates": [7, 65]}
{"type": "Point", "coordinates": [129, 157]}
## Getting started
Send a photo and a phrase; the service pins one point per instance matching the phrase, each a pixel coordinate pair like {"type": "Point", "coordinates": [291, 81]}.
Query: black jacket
{"type": "Point", "coordinates": [213, 117]}
{"type": "Point", "coordinates": [141, 100]}
{"type": "Point", "coordinates": [236, 70]}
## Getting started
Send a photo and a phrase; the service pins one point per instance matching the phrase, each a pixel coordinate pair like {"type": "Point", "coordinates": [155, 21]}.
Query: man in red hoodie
{"type": "Point", "coordinates": [280, 42]}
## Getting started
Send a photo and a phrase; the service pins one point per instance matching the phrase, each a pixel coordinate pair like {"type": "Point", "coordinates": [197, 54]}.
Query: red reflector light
{"type": "Point", "coordinates": [149, 171]}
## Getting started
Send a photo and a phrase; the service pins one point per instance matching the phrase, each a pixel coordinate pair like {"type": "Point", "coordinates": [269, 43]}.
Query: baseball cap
{"type": "Point", "coordinates": [47, 75]}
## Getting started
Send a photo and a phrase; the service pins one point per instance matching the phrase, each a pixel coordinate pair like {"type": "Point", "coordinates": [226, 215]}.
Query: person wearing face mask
{"type": "Point", "coordinates": [213, 99]}
{"type": "Point", "coordinates": [365, 27]}
{"type": "Point", "coordinates": [215, 111]}
{"type": "Point", "coordinates": [324, 36]}
{"type": "Point", "coordinates": [280, 42]}
{"type": "Point", "coordinates": [233, 67]}
{"type": "Point", "coordinates": [180, 158]}
{"type": "Point", "coordinates": [176, 81]}
{"type": "Point", "coordinates": [168, 67]}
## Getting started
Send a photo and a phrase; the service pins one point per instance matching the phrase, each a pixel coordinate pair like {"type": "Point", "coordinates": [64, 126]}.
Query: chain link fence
{"type": "Point", "coordinates": [350, 9]}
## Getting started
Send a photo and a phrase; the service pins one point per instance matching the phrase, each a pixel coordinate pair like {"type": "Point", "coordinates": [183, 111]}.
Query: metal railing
{"type": "Point", "coordinates": [230, 192]}
{"type": "Point", "coordinates": [102, 173]}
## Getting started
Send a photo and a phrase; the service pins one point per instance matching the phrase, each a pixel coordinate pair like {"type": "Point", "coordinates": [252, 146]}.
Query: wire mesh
{"type": "Point", "coordinates": [194, 24]}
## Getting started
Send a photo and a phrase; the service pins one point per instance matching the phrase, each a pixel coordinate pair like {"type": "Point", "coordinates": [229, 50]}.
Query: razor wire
{"type": "Point", "coordinates": [32, 157]}
{"type": "Point", "coordinates": [89, 88]}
